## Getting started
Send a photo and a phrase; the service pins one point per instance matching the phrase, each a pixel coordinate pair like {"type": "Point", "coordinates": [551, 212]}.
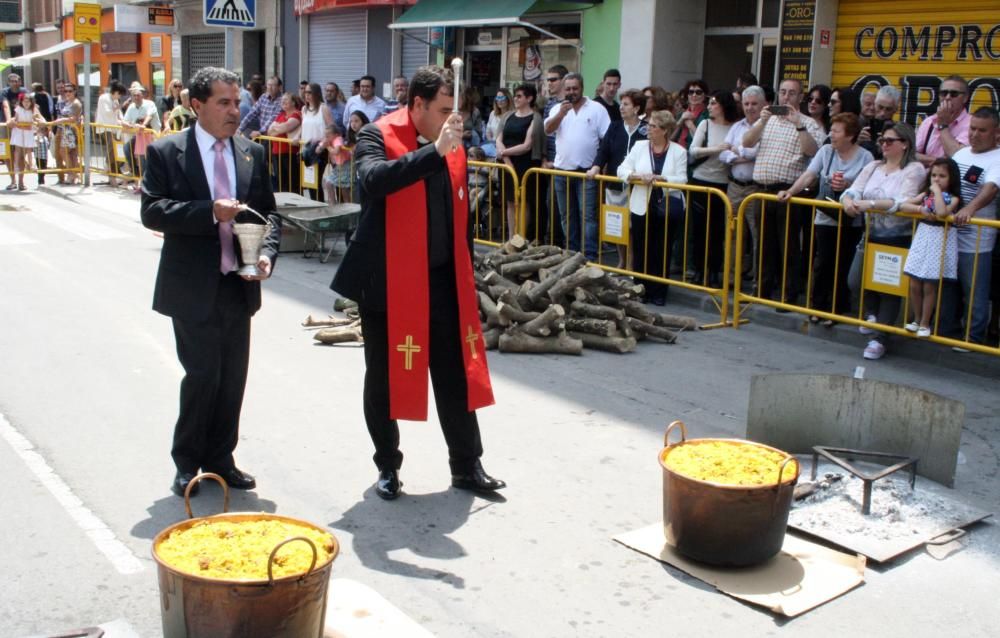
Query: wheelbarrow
{"type": "Point", "coordinates": [319, 223]}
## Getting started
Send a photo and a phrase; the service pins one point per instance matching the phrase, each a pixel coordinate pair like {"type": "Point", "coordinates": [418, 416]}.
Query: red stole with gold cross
{"type": "Point", "coordinates": [407, 289]}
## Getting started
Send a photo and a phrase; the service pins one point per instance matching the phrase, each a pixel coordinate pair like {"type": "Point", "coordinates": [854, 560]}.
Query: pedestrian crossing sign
{"type": "Point", "coordinates": [241, 14]}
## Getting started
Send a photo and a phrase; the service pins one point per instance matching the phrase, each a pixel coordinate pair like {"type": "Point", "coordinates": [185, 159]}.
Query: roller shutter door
{"type": "Point", "coordinates": [415, 52]}
{"type": "Point", "coordinates": [338, 47]}
{"type": "Point", "coordinates": [203, 50]}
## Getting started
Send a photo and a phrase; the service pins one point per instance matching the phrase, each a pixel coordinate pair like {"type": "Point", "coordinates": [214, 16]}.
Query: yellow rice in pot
{"type": "Point", "coordinates": [729, 463]}
{"type": "Point", "coordinates": [239, 550]}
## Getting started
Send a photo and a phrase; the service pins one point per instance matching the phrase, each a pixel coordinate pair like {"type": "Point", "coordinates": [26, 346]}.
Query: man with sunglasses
{"type": "Point", "coordinates": [943, 133]}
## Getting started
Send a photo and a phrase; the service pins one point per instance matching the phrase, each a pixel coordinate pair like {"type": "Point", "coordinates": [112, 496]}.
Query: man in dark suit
{"type": "Point", "coordinates": [412, 253]}
{"type": "Point", "coordinates": [191, 192]}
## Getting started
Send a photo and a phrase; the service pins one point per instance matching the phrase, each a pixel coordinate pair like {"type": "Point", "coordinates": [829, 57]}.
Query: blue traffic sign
{"type": "Point", "coordinates": [230, 13]}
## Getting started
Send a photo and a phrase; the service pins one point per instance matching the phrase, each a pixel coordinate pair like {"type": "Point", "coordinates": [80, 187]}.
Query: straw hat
{"type": "Point", "coordinates": [136, 87]}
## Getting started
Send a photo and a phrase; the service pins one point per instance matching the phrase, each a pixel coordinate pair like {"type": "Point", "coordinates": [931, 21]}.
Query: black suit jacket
{"type": "Point", "coordinates": [361, 274]}
{"type": "Point", "coordinates": [177, 201]}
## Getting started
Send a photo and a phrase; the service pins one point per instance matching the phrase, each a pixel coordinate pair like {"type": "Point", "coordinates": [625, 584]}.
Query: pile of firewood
{"type": "Point", "coordinates": [545, 299]}
{"type": "Point", "coordinates": [542, 299]}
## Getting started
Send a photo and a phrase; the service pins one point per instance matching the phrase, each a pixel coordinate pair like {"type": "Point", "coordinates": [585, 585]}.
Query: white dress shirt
{"type": "Point", "coordinates": [205, 142]}
{"type": "Point", "coordinates": [744, 170]}
{"type": "Point", "coordinates": [579, 135]}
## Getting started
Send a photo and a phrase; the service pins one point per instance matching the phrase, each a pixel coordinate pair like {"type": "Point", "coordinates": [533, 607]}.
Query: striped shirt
{"type": "Point", "coordinates": [976, 170]}
{"type": "Point", "coordinates": [262, 115]}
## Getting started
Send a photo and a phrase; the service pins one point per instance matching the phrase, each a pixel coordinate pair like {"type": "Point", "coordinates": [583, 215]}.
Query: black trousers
{"type": "Point", "coordinates": [447, 369]}
{"type": "Point", "coordinates": [833, 263]}
{"type": "Point", "coordinates": [782, 253]}
{"type": "Point", "coordinates": [650, 238]}
{"type": "Point", "coordinates": [710, 224]}
{"type": "Point", "coordinates": [215, 354]}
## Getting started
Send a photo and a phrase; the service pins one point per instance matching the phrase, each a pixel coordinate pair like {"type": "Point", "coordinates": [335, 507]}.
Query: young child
{"type": "Point", "coordinates": [934, 252]}
{"type": "Point", "coordinates": [22, 136]}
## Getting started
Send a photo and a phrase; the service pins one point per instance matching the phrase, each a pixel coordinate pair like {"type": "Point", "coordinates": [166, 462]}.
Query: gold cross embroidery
{"type": "Point", "coordinates": [471, 339]}
{"type": "Point", "coordinates": [408, 349]}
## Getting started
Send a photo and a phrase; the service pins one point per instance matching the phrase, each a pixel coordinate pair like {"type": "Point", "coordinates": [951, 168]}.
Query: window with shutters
{"type": "Point", "coordinates": [416, 52]}
{"type": "Point", "coordinates": [10, 11]}
{"type": "Point", "coordinates": [338, 43]}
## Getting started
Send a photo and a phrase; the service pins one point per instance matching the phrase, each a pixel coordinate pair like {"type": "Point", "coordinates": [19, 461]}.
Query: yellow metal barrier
{"type": "Point", "coordinates": [21, 160]}
{"type": "Point", "coordinates": [494, 191]}
{"type": "Point", "coordinates": [629, 262]}
{"type": "Point", "coordinates": [742, 300]}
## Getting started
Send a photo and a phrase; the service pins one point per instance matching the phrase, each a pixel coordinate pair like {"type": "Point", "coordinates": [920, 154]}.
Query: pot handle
{"type": "Point", "coordinates": [198, 479]}
{"type": "Point", "coordinates": [267, 221]}
{"type": "Point", "coordinates": [270, 559]}
{"type": "Point", "coordinates": [777, 487]}
{"type": "Point", "coordinates": [666, 435]}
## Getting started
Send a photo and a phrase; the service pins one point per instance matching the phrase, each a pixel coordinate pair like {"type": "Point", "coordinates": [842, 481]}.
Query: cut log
{"type": "Point", "coordinates": [675, 321]}
{"type": "Point", "coordinates": [493, 278]}
{"type": "Point", "coordinates": [625, 328]}
{"type": "Point", "coordinates": [650, 330]}
{"type": "Point", "coordinates": [495, 291]}
{"type": "Point", "coordinates": [637, 310]}
{"type": "Point", "coordinates": [481, 284]}
{"type": "Point", "coordinates": [603, 327]}
{"type": "Point", "coordinates": [541, 326]}
{"type": "Point", "coordinates": [523, 299]}
{"type": "Point", "coordinates": [514, 245]}
{"type": "Point", "coordinates": [343, 334]}
{"type": "Point", "coordinates": [551, 278]}
{"type": "Point", "coordinates": [606, 297]}
{"type": "Point", "coordinates": [595, 311]}
{"type": "Point", "coordinates": [545, 250]}
{"type": "Point", "coordinates": [327, 322]}
{"type": "Point", "coordinates": [340, 304]}
{"type": "Point", "coordinates": [489, 309]}
{"type": "Point", "coordinates": [509, 298]}
{"type": "Point", "coordinates": [619, 345]}
{"type": "Point", "coordinates": [509, 314]}
{"type": "Point", "coordinates": [530, 266]}
{"type": "Point", "coordinates": [517, 341]}
{"type": "Point", "coordinates": [499, 259]}
{"type": "Point", "coordinates": [626, 286]}
{"type": "Point", "coordinates": [585, 296]}
{"type": "Point", "coordinates": [585, 276]}
{"type": "Point", "coordinates": [492, 338]}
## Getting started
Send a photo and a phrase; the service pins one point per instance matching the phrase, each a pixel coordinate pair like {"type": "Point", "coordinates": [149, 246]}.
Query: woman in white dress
{"type": "Point", "coordinates": [22, 135]}
{"type": "Point", "coordinates": [316, 117]}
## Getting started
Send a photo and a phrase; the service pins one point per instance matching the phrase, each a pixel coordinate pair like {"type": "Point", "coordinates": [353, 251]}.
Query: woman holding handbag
{"type": "Point", "coordinates": [657, 214]}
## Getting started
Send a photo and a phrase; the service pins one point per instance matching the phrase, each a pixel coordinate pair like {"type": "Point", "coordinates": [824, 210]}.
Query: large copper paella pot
{"type": "Point", "coordinates": [197, 607]}
{"type": "Point", "coordinates": [725, 524]}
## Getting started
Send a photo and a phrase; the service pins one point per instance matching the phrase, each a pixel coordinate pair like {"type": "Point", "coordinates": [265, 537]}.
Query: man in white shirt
{"type": "Point", "coordinates": [400, 87]}
{"type": "Point", "coordinates": [979, 169]}
{"type": "Point", "coordinates": [365, 101]}
{"type": "Point", "coordinates": [108, 110]}
{"type": "Point", "coordinates": [578, 124]}
{"type": "Point", "coordinates": [741, 161]}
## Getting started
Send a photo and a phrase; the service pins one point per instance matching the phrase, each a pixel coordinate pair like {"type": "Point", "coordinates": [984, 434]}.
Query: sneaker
{"type": "Point", "coordinates": [960, 349]}
{"type": "Point", "coordinates": [913, 326]}
{"type": "Point", "coordinates": [875, 350]}
{"type": "Point", "coordinates": [865, 330]}
{"type": "Point", "coordinates": [923, 332]}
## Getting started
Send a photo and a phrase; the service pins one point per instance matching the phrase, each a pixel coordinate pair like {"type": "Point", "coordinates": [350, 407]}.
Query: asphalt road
{"type": "Point", "coordinates": [88, 396]}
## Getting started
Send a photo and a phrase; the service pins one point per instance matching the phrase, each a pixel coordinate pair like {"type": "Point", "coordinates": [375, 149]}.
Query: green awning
{"type": "Point", "coordinates": [462, 13]}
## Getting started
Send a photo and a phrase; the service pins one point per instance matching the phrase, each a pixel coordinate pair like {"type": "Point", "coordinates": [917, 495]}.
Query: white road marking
{"type": "Point", "coordinates": [77, 225]}
{"type": "Point", "coordinates": [11, 237]}
{"type": "Point", "coordinates": [99, 533]}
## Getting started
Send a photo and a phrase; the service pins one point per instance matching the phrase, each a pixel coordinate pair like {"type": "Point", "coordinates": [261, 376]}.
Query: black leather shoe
{"type": "Point", "coordinates": [477, 480]}
{"type": "Point", "coordinates": [180, 484]}
{"type": "Point", "coordinates": [388, 484]}
{"type": "Point", "coordinates": [236, 478]}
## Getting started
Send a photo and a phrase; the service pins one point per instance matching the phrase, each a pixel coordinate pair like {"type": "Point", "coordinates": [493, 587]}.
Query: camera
{"type": "Point", "coordinates": [779, 109]}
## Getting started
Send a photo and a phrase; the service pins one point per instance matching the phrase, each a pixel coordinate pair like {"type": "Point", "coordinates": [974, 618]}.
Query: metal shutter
{"type": "Point", "coordinates": [415, 53]}
{"type": "Point", "coordinates": [203, 50]}
{"type": "Point", "coordinates": [338, 47]}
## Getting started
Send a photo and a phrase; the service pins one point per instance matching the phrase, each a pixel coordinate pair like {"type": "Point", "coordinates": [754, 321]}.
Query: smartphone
{"type": "Point", "coordinates": [779, 109]}
{"type": "Point", "coordinates": [875, 126]}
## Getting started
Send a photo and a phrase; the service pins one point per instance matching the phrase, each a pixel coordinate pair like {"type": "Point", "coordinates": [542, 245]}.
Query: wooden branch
{"type": "Point", "coordinates": [626, 286]}
{"type": "Point", "coordinates": [342, 334]}
{"type": "Point", "coordinates": [606, 297]}
{"type": "Point", "coordinates": [517, 341]}
{"type": "Point", "coordinates": [675, 321]}
{"type": "Point", "coordinates": [637, 310]}
{"type": "Point", "coordinates": [489, 309]}
{"type": "Point", "coordinates": [340, 304]}
{"type": "Point", "coordinates": [509, 298]}
{"type": "Point", "coordinates": [595, 311]}
{"type": "Point", "coordinates": [584, 276]}
{"type": "Point", "coordinates": [619, 345]}
{"type": "Point", "coordinates": [509, 314]}
{"type": "Point", "coordinates": [492, 338]}
{"type": "Point", "coordinates": [650, 330]}
{"type": "Point", "coordinates": [585, 296]}
{"type": "Point", "coordinates": [328, 322]}
{"type": "Point", "coordinates": [603, 327]}
{"type": "Point", "coordinates": [550, 279]}
{"type": "Point", "coordinates": [493, 278]}
{"type": "Point", "coordinates": [541, 325]}
{"type": "Point", "coordinates": [625, 328]}
{"type": "Point", "coordinates": [514, 245]}
{"type": "Point", "coordinates": [529, 266]}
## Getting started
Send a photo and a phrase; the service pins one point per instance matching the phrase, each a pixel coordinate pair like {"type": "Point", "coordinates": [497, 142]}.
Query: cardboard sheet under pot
{"type": "Point", "coordinates": [724, 525]}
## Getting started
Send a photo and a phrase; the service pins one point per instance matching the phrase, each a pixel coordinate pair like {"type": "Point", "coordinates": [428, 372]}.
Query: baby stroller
{"type": "Point", "coordinates": [485, 198]}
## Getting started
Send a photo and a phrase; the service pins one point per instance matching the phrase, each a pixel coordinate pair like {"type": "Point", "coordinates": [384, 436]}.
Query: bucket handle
{"type": "Point", "coordinates": [270, 559]}
{"type": "Point", "coordinates": [198, 479]}
{"type": "Point", "coordinates": [777, 488]}
{"type": "Point", "coordinates": [666, 435]}
{"type": "Point", "coordinates": [267, 221]}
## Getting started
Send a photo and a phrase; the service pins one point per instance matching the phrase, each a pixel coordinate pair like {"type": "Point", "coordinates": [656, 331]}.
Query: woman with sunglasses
{"type": "Point", "coordinates": [881, 186]}
{"type": "Point", "coordinates": [70, 112]}
{"type": "Point", "coordinates": [817, 106]}
{"type": "Point", "coordinates": [696, 93]}
{"type": "Point", "coordinates": [502, 103]}
{"type": "Point", "coordinates": [166, 104]}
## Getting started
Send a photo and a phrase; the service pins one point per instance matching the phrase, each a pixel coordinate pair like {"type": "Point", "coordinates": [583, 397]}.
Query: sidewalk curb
{"type": "Point", "coordinates": [975, 363]}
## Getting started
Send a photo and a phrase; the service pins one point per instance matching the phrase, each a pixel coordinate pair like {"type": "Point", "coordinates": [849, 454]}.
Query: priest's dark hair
{"type": "Point", "coordinates": [428, 80]}
{"type": "Point", "coordinates": [200, 86]}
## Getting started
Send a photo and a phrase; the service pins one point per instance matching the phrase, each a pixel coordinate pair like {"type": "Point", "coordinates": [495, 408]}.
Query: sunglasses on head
{"type": "Point", "coordinates": [950, 92]}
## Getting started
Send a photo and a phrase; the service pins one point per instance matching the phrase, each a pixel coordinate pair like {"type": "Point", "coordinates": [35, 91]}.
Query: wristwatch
{"type": "Point", "coordinates": [941, 127]}
{"type": "Point", "coordinates": [800, 128]}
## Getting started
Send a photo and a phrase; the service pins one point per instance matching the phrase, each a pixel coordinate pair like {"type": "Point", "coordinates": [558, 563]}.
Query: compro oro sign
{"type": "Point", "coordinates": [241, 14]}
{"type": "Point", "coordinates": [915, 45]}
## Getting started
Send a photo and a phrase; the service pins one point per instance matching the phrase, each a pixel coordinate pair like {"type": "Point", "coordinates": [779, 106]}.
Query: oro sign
{"type": "Point", "coordinates": [86, 22]}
